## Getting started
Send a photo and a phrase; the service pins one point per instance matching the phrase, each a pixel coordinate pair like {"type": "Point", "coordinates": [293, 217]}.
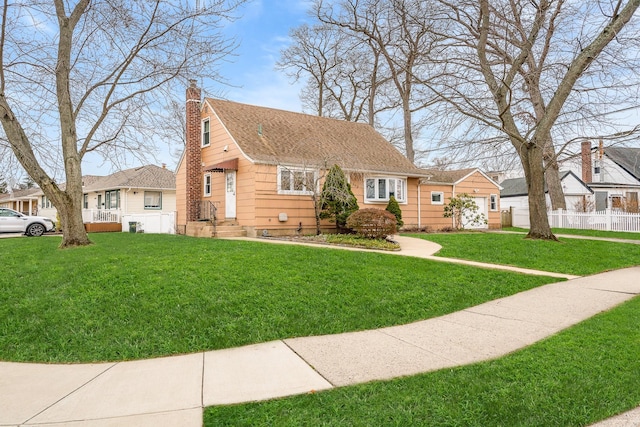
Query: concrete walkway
{"type": "Point", "coordinates": [172, 391]}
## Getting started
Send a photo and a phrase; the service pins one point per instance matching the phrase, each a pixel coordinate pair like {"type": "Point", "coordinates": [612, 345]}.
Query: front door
{"type": "Point", "coordinates": [230, 197]}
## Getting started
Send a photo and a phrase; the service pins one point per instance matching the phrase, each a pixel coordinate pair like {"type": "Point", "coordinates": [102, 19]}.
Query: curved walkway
{"type": "Point", "coordinates": [172, 391]}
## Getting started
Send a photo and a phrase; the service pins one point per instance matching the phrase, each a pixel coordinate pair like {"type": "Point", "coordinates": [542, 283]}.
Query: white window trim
{"type": "Point", "coordinates": [378, 199]}
{"type": "Point", "coordinates": [291, 170]}
{"type": "Point", "coordinates": [441, 193]}
{"type": "Point", "coordinates": [202, 136]}
{"type": "Point", "coordinates": [493, 200]}
{"type": "Point", "coordinates": [204, 185]}
{"type": "Point", "coordinates": [144, 201]}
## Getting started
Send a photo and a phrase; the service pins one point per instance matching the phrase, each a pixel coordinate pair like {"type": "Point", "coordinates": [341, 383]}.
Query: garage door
{"type": "Point", "coordinates": [481, 202]}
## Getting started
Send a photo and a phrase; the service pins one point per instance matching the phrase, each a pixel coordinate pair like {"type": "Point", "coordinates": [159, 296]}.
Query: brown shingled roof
{"type": "Point", "coordinates": [271, 136]}
{"type": "Point", "coordinates": [437, 176]}
{"type": "Point", "coordinates": [149, 176]}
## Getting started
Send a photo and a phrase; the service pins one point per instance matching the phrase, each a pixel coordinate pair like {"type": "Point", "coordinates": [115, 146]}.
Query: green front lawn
{"type": "Point", "coordinates": [592, 233]}
{"type": "Point", "coordinates": [135, 296]}
{"type": "Point", "coordinates": [570, 256]}
{"type": "Point", "coordinates": [582, 375]}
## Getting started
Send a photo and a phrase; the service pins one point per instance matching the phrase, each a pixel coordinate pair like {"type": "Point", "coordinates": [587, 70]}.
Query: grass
{"type": "Point", "coordinates": [352, 240]}
{"type": "Point", "coordinates": [133, 296]}
{"type": "Point", "coordinates": [592, 233]}
{"type": "Point", "coordinates": [580, 376]}
{"type": "Point", "coordinates": [571, 256]}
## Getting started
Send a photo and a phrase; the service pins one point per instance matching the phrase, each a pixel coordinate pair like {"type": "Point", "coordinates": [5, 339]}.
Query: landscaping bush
{"type": "Point", "coordinates": [394, 208]}
{"type": "Point", "coordinates": [337, 201]}
{"type": "Point", "coordinates": [372, 223]}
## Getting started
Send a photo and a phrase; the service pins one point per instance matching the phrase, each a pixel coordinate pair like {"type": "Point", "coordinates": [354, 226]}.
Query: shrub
{"type": "Point", "coordinates": [464, 211]}
{"type": "Point", "coordinates": [372, 223]}
{"type": "Point", "coordinates": [337, 201]}
{"type": "Point", "coordinates": [394, 208]}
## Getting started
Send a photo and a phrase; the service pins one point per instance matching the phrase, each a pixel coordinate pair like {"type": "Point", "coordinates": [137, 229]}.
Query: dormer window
{"type": "Point", "coordinates": [205, 133]}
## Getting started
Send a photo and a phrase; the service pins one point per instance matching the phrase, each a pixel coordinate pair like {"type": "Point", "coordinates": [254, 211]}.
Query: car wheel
{"type": "Point", "coordinates": [35, 230]}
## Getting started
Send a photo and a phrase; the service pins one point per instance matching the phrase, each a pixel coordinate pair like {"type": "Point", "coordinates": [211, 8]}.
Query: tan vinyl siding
{"type": "Point", "coordinates": [485, 188]}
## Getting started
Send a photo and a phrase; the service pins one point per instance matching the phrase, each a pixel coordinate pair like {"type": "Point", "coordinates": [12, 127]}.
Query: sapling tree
{"type": "Point", "coordinates": [394, 208]}
{"type": "Point", "coordinates": [464, 211]}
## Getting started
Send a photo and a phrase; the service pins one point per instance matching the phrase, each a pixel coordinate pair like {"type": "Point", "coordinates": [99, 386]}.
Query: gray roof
{"type": "Point", "coordinates": [149, 176]}
{"type": "Point", "coordinates": [626, 158]}
{"type": "Point", "coordinates": [515, 187]}
{"type": "Point", "coordinates": [271, 136]}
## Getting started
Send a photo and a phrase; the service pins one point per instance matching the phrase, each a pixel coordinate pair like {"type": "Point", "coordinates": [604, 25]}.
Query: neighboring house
{"type": "Point", "coordinates": [145, 195]}
{"type": "Point", "coordinates": [25, 201]}
{"type": "Point", "coordinates": [577, 193]}
{"type": "Point", "coordinates": [613, 173]}
{"type": "Point", "coordinates": [260, 167]}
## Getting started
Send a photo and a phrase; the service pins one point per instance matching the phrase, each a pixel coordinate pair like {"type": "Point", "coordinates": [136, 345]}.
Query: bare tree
{"type": "Point", "coordinates": [541, 62]}
{"type": "Point", "coordinates": [84, 76]}
{"type": "Point", "coordinates": [343, 72]}
{"type": "Point", "coordinates": [401, 32]}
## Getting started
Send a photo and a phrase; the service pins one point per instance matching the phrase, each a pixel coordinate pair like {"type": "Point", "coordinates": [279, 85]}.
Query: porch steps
{"type": "Point", "coordinates": [230, 229]}
{"type": "Point", "coordinates": [199, 229]}
{"type": "Point", "coordinates": [206, 229]}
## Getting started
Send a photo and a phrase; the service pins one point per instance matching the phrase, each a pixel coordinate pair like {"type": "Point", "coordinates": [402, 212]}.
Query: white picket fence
{"type": "Point", "coordinates": [159, 222]}
{"type": "Point", "coordinates": [607, 220]}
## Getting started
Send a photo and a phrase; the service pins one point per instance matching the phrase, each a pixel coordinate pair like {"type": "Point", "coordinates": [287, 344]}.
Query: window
{"type": "Point", "coordinates": [207, 184]}
{"type": "Point", "coordinates": [45, 203]}
{"type": "Point", "coordinates": [112, 199]}
{"type": "Point", "coordinates": [100, 205]}
{"type": "Point", "coordinates": [85, 201]}
{"type": "Point", "coordinates": [493, 202]}
{"type": "Point", "coordinates": [380, 189]}
{"type": "Point", "coordinates": [296, 181]}
{"type": "Point", "coordinates": [205, 133]}
{"type": "Point", "coordinates": [437, 198]}
{"type": "Point", "coordinates": [153, 200]}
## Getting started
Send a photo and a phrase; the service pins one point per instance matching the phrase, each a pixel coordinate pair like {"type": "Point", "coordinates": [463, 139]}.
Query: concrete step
{"type": "Point", "coordinates": [230, 231]}
{"type": "Point", "coordinates": [199, 229]}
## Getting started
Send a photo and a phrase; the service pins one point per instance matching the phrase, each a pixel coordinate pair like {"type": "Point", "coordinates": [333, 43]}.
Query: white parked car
{"type": "Point", "coordinates": [15, 222]}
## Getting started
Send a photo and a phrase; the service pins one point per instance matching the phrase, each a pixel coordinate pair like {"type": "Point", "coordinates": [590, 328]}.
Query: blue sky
{"type": "Point", "coordinates": [261, 30]}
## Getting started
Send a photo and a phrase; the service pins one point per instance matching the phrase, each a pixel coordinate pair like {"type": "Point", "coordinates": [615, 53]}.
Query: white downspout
{"type": "Point", "coordinates": [419, 210]}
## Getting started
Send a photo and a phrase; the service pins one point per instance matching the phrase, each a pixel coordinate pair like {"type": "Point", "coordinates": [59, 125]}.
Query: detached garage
{"type": "Point", "coordinates": [440, 186]}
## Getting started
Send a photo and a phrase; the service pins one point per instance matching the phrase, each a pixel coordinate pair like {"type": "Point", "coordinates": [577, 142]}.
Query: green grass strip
{"type": "Point", "coordinates": [591, 233]}
{"type": "Point", "coordinates": [569, 256]}
{"type": "Point", "coordinates": [582, 375]}
{"type": "Point", "coordinates": [132, 296]}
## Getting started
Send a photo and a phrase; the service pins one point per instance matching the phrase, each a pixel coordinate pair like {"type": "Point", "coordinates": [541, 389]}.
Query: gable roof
{"type": "Point", "coordinates": [436, 176]}
{"type": "Point", "coordinates": [148, 176]}
{"type": "Point", "coordinates": [515, 187]}
{"type": "Point", "coordinates": [26, 194]}
{"type": "Point", "coordinates": [271, 136]}
{"type": "Point", "coordinates": [627, 158]}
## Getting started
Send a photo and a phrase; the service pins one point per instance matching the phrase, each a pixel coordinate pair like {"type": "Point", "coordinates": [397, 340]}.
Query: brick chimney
{"type": "Point", "coordinates": [193, 154]}
{"type": "Point", "coordinates": [587, 167]}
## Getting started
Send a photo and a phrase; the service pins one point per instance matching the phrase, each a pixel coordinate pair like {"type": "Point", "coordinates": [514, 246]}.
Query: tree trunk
{"type": "Point", "coordinates": [531, 157]}
{"type": "Point", "coordinates": [554, 185]}
{"type": "Point", "coordinates": [408, 131]}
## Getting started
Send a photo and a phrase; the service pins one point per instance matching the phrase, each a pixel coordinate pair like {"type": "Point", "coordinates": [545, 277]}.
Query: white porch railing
{"type": "Point", "coordinates": [607, 220]}
{"type": "Point", "coordinates": [101, 215]}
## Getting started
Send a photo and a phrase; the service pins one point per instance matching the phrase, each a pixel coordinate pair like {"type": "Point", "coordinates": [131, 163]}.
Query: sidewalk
{"type": "Point", "coordinates": [172, 391]}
